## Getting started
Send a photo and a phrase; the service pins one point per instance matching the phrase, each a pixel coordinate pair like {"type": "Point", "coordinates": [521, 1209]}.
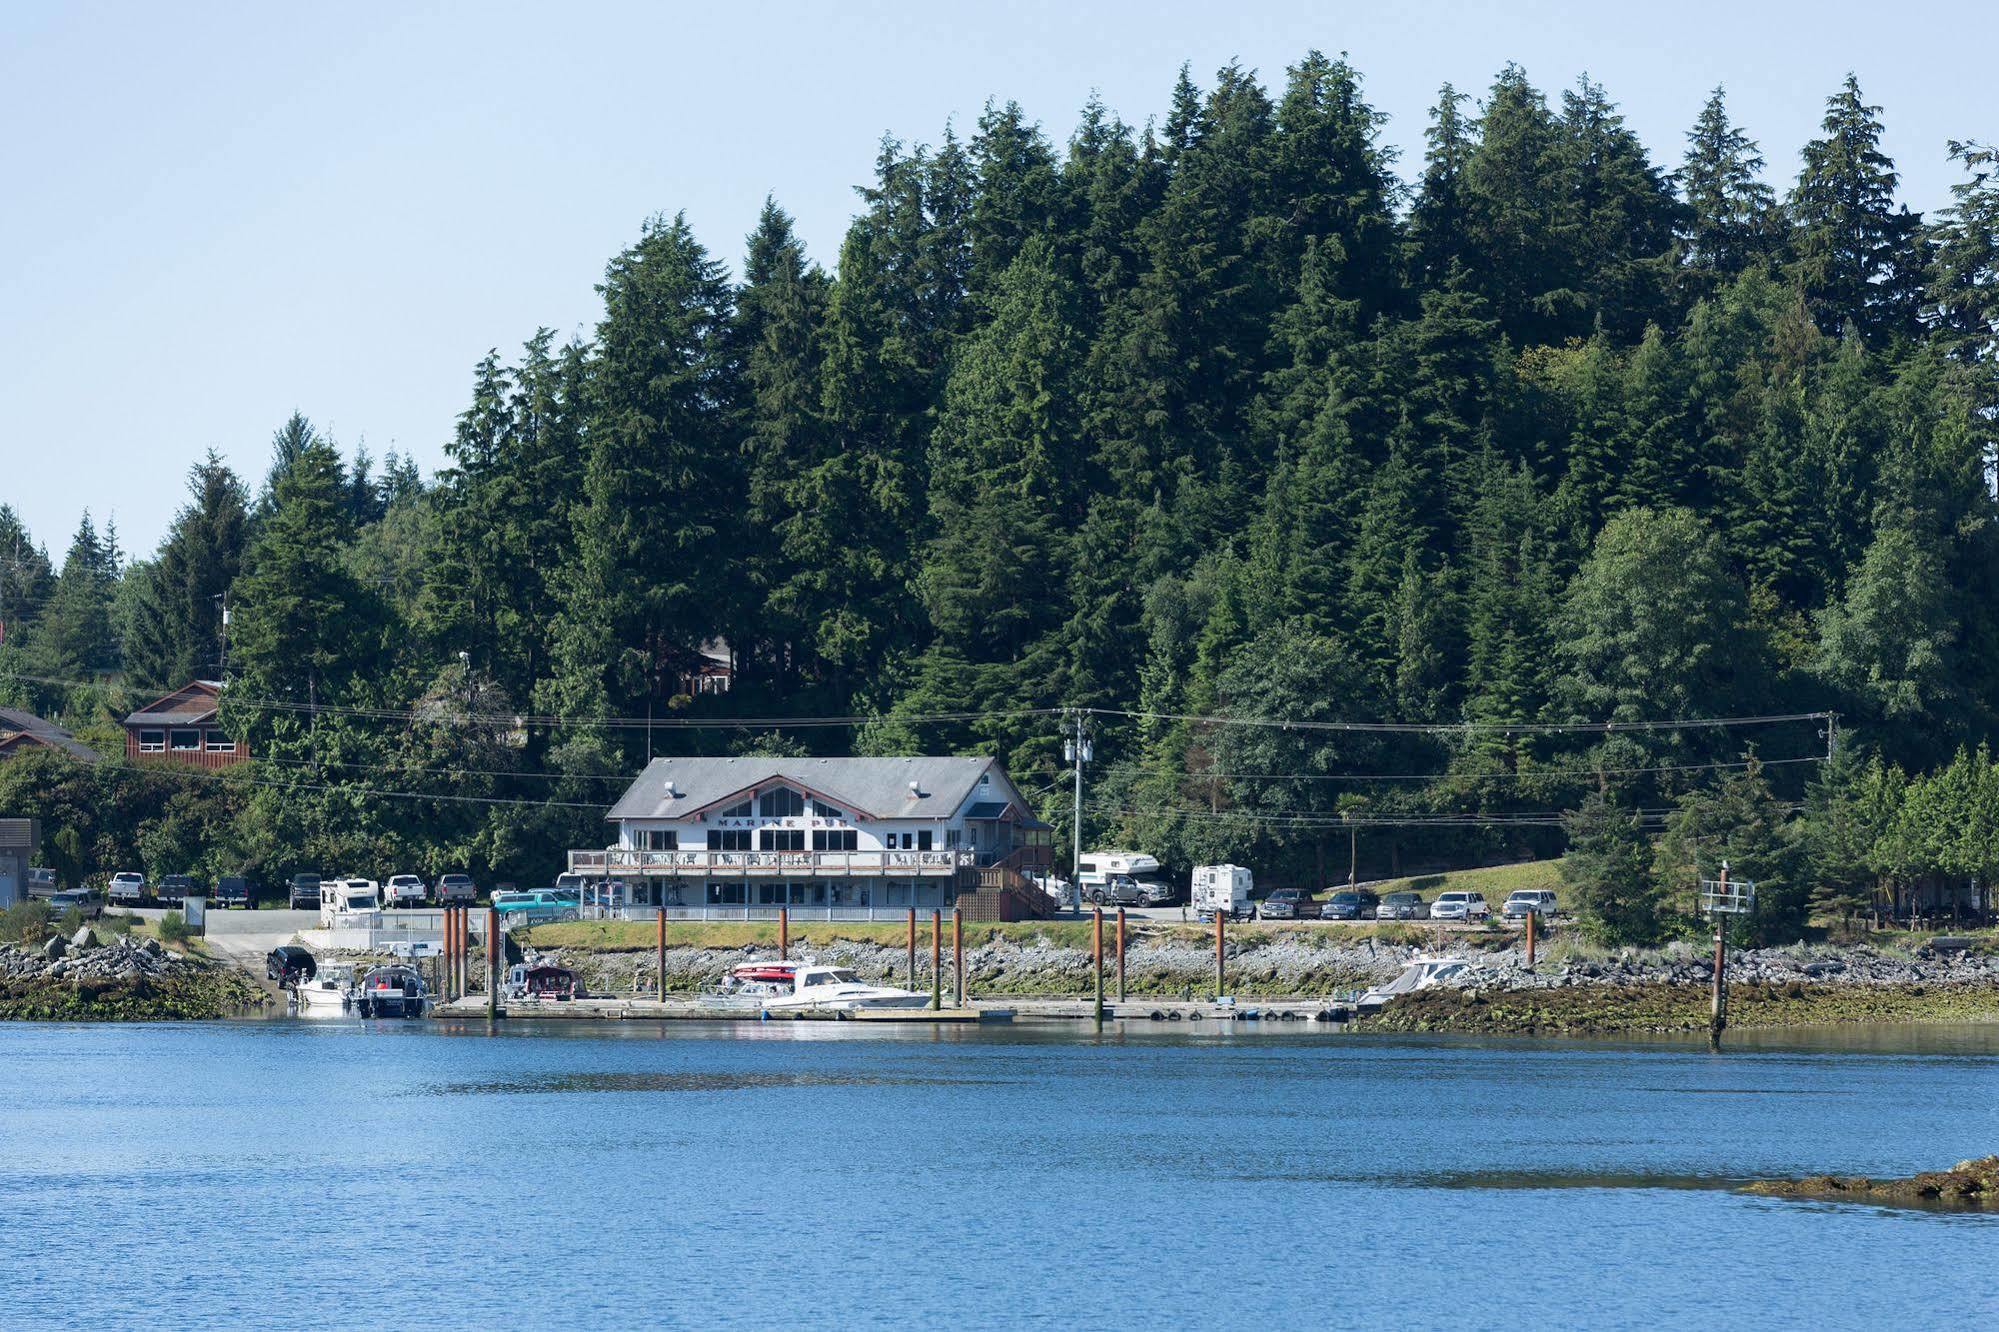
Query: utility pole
{"type": "Point", "coordinates": [1076, 750]}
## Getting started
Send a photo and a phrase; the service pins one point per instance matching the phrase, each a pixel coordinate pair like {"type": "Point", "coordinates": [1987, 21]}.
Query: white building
{"type": "Point", "coordinates": [822, 832]}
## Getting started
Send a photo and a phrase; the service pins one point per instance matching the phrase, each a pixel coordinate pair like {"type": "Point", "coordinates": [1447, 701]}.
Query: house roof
{"type": "Point", "coordinates": [193, 702]}
{"type": "Point", "coordinates": [16, 725]}
{"type": "Point", "coordinates": [875, 787]}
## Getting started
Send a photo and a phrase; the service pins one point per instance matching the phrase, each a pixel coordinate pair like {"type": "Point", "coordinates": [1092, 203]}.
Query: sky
{"type": "Point", "coordinates": [216, 214]}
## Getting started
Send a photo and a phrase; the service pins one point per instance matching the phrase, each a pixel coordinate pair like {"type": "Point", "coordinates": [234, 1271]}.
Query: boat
{"type": "Point", "coordinates": [1420, 973]}
{"type": "Point", "coordinates": [543, 981]}
{"type": "Point", "coordinates": [394, 990]}
{"type": "Point", "coordinates": [328, 992]}
{"type": "Point", "coordinates": [790, 986]}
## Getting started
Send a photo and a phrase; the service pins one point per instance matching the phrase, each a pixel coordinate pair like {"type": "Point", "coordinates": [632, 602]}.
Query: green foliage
{"type": "Point", "coordinates": [174, 928]}
{"type": "Point", "coordinates": [1608, 873]}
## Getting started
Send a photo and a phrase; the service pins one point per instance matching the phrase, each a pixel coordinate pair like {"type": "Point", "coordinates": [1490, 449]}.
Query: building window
{"type": "Point", "coordinates": [781, 839]}
{"type": "Point", "coordinates": [727, 894]}
{"type": "Point", "coordinates": [834, 839]}
{"type": "Point", "coordinates": [152, 742]}
{"type": "Point", "coordinates": [184, 741]}
{"type": "Point", "coordinates": [826, 811]}
{"type": "Point", "coordinates": [218, 743]}
{"type": "Point", "coordinates": [729, 839]}
{"type": "Point", "coordinates": [781, 803]}
{"type": "Point", "coordinates": [951, 837]}
{"type": "Point", "coordinates": [659, 839]}
{"type": "Point", "coordinates": [741, 811]}
{"type": "Point", "coordinates": [923, 840]}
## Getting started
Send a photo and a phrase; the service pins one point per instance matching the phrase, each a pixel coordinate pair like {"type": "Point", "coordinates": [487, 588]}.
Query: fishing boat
{"type": "Point", "coordinates": [391, 991]}
{"type": "Point", "coordinates": [1420, 973]}
{"type": "Point", "coordinates": [327, 993]}
{"type": "Point", "coordinates": [790, 986]}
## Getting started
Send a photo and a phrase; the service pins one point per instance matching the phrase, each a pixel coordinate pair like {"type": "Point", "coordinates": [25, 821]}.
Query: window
{"type": "Point", "coordinates": [184, 741]}
{"type": "Point", "coordinates": [218, 743]}
{"type": "Point", "coordinates": [727, 894]}
{"type": "Point", "coordinates": [741, 811]}
{"type": "Point", "coordinates": [729, 839]}
{"type": "Point", "coordinates": [659, 839]}
{"type": "Point", "coordinates": [834, 839]}
{"type": "Point", "coordinates": [827, 811]}
{"type": "Point", "coordinates": [780, 803]}
{"type": "Point", "coordinates": [781, 839]}
{"type": "Point", "coordinates": [152, 742]}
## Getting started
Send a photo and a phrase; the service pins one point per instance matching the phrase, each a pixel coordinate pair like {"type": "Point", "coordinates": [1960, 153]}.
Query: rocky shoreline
{"type": "Point", "coordinates": [78, 979]}
{"type": "Point", "coordinates": [1968, 1185]}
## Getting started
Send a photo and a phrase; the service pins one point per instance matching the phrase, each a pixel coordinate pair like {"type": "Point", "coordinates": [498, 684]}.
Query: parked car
{"type": "Point", "coordinates": [233, 890]}
{"type": "Point", "coordinates": [127, 888]}
{"type": "Point", "coordinates": [175, 889]}
{"type": "Point", "coordinates": [537, 906]}
{"type": "Point", "coordinates": [302, 891]}
{"type": "Point", "coordinates": [1525, 902]}
{"type": "Point", "coordinates": [1459, 906]}
{"type": "Point", "coordinates": [457, 890]}
{"type": "Point", "coordinates": [403, 890]}
{"type": "Point", "coordinates": [1117, 890]}
{"type": "Point", "coordinates": [1350, 904]}
{"type": "Point", "coordinates": [1402, 906]}
{"type": "Point", "coordinates": [77, 899]}
{"type": "Point", "coordinates": [1289, 904]}
{"type": "Point", "coordinates": [41, 881]}
{"type": "Point", "coordinates": [288, 963]}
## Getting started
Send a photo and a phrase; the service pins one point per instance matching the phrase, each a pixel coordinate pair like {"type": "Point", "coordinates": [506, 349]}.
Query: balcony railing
{"type": "Point", "coordinates": [761, 864]}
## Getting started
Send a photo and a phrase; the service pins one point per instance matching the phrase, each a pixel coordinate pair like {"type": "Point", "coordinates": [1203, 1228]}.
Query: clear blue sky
{"type": "Point", "coordinates": [217, 213]}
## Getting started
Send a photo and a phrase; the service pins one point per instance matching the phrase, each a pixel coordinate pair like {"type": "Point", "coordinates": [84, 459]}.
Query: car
{"type": "Point", "coordinates": [403, 890]}
{"type": "Point", "coordinates": [175, 889]}
{"type": "Point", "coordinates": [1117, 890]}
{"type": "Point", "coordinates": [1525, 902]}
{"type": "Point", "coordinates": [1350, 904]}
{"type": "Point", "coordinates": [537, 906]}
{"type": "Point", "coordinates": [288, 963]}
{"type": "Point", "coordinates": [127, 888]}
{"type": "Point", "coordinates": [1402, 906]}
{"type": "Point", "coordinates": [1459, 906]}
{"type": "Point", "coordinates": [302, 891]}
{"type": "Point", "coordinates": [457, 890]}
{"type": "Point", "coordinates": [1289, 904]}
{"type": "Point", "coordinates": [233, 890]}
{"type": "Point", "coordinates": [77, 899]}
{"type": "Point", "coordinates": [41, 881]}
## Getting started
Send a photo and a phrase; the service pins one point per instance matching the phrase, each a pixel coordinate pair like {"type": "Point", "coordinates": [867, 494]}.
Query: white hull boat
{"type": "Point", "coordinates": [328, 994]}
{"type": "Point", "coordinates": [800, 986]}
{"type": "Point", "coordinates": [1422, 971]}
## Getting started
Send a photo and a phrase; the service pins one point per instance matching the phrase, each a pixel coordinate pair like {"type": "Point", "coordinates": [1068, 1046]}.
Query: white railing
{"type": "Point", "coordinates": [731, 864]}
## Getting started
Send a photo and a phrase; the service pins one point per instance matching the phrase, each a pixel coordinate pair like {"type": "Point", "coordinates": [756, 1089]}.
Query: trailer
{"type": "Point", "coordinates": [1223, 889]}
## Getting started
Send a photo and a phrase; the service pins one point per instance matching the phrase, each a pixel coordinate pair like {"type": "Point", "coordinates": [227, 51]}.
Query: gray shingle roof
{"type": "Point", "coordinates": [876, 787]}
{"type": "Point", "coordinates": [183, 711]}
{"type": "Point", "coordinates": [13, 719]}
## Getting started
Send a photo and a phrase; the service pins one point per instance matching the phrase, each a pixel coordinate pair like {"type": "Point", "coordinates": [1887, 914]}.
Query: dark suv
{"type": "Point", "coordinates": [175, 889]}
{"type": "Point", "coordinates": [1350, 904]}
{"type": "Point", "coordinates": [233, 890]}
{"type": "Point", "coordinates": [304, 891]}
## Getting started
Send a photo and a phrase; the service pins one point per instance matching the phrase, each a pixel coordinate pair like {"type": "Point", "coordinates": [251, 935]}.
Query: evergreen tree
{"type": "Point", "coordinates": [73, 635]}
{"type": "Point", "coordinates": [1964, 263]}
{"type": "Point", "coordinates": [1608, 872]}
{"type": "Point", "coordinates": [1855, 254]}
{"type": "Point", "coordinates": [175, 634]}
{"type": "Point", "coordinates": [1729, 222]}
{"type": "Point", "coordinates": [1440, 220]}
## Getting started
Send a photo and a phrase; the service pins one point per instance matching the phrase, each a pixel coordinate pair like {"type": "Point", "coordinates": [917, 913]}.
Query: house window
{"type": "Point", "coordinates": [952, 836]}
{"type": "Point", "coordinates": [781, 839]}
{"type": "Point", "coordinates": [923, 840]}
{"type": "Point", "coordinates": [834, 839]}
{"type": "Point", "coordinates": [727, 894]}
{"type": "Point", "coordinates": [826, 811]}
{"type": "Point", "coordinates": [184, 741]}
{"type": "Point", "coordinates": [780, 803]}
{"type": "Point", "coordinates": [741, 811]}
{"type": "Point", "coordinates": [218, 743]}
{"type": "Point", "coordinates": [660, 839]}
{"type": "Point", "coordinates": [729, 839]}
{"type": "Point", "coordinates": [152, 742]}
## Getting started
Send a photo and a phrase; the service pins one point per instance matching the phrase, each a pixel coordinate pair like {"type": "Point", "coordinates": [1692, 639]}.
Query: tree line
{"type": "Point", "coordinates": [1215, 418]}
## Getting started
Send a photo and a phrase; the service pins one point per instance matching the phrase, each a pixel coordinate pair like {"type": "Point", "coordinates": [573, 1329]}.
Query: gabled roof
{"type": "Point", "coordinates": [876, 788]}
{"type": "Point", "coordinates": [193, 702]}
{"type": "Point", "coordinates": [18, 728]}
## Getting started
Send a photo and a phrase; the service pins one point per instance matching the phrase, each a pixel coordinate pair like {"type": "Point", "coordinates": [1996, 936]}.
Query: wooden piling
{"type": "Point", "coordinates": [911, 981]}
{"type": "Point", "coordinates": [783, 933]}
{"type": "Point", "coordinates": [1120, 954]}
{"type": "Point", "coordinates": [1221, 980]}
{"type": "Point", "coordinates": [495, 950]}
{"type": "Point", "coordinates": [958, 953]}
{"type": "Point", "coordinates": [1097, 960]}
{"type": "Point", "coordinates": [1532, 916]}
{"type": "Point", "coordinates": [662, 955]}
{"type": "Point", "coordinates": [936, 958]}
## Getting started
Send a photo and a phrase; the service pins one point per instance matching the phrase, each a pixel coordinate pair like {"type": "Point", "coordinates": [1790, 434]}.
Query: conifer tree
{"type": "Point", "coordinates": [175, 633]}
{"type": "Point", "coordinates": [1729, 223]}
{"type": "Point", "coordinates": [1855, 253]}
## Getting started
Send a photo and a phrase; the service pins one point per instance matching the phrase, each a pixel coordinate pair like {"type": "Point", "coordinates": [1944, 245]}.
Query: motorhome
{"type": "Point", "coordinates": [346, 896]}
{"type": "Point", "coordinates": [1225, 889]}
{"type": "Point", "coordinates": [1122, 878]}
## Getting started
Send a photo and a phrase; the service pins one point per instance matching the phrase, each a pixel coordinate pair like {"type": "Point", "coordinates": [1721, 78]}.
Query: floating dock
{"type": "Point", "coordinates": [694, 1010]}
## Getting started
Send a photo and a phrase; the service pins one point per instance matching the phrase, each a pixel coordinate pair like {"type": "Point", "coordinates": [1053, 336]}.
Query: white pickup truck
{"type": "Point", "coordinates": [403, 890]}
{"type": "Point", "coordinates": [127, 888]}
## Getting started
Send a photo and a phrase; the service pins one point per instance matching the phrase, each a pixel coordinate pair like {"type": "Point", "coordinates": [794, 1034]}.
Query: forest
{"type": "Point", "coordinates": [1429, 501]}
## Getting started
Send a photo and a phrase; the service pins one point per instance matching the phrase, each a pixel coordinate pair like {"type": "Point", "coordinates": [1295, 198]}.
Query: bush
{"type": "Point", "coordinates": [25, 923]}
{"type": "Point", "coordinates": [174, 928]}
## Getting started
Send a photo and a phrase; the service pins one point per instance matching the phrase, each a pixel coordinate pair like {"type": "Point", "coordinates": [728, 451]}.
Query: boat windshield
{"type": "Point", "coordinates": [836, 976]}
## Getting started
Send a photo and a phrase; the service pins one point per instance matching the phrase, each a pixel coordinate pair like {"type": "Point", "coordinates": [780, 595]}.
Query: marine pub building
{"type": "Point", "coordinates": [844, 834]}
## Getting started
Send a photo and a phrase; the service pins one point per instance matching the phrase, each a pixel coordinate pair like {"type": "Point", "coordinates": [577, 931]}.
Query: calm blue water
{"type": "Point", "coordinates": [346, 1174]}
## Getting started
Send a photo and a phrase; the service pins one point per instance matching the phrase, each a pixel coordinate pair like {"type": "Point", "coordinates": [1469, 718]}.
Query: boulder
{"type": "Point", "coordinates": [83, 938]}
{"type": "Point", "coordinates": [152, 947]}
{"type": "Point", "coordinates": [54, 948]}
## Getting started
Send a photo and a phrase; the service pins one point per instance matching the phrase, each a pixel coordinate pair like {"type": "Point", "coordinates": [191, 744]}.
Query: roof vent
{"type": "Point", "coordinates": [916, 790]}
{"type": "Point", "coordinates": [672, 791]}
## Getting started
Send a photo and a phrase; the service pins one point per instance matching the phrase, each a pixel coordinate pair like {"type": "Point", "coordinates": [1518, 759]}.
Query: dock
{"type": "Point", "coordinates": [619, 1009]}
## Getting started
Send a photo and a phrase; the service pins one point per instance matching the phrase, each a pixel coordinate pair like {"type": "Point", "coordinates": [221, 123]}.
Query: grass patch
{"type": "Point", "coordinates": [1495, 881]}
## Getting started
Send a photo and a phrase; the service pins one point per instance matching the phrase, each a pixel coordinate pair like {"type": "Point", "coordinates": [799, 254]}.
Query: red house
{"type": "Point", "coordinates": [182, 728]}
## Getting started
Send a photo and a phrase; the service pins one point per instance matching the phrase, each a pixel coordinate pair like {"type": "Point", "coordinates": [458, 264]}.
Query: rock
{"type": "Point", "coordinates": [83, 938]}
{"type": "Point", "coordinates": [152, 947]}
{"type": "Point", "coordinates": [54, 948]}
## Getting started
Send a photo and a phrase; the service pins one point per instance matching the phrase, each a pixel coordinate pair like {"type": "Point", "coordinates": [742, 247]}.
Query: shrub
{"type": "Point", "coordinates": [174, 928]}
{"type": "Point", "coordinates": [25, 922]}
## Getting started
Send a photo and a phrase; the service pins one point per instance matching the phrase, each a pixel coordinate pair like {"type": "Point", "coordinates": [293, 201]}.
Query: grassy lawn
{"type": "Point", "coordinates": [1495, 881]}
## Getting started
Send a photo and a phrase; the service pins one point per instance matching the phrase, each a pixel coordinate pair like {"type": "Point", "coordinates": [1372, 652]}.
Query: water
{"type": "Point", "coordinates": [346, 1174]}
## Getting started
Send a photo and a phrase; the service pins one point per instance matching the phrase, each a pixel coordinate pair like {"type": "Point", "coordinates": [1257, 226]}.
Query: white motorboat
{"type": "Point", "coordinates": [329, 992]}
{"type": "Point", "coordinates": [799, 985]}
{"type": "Point", "coordinates": [391, 991]}
{"type": "Point", "coordinates": [1420, 973]}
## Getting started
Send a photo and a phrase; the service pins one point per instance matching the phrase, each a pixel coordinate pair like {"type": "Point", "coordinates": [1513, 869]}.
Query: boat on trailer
{"type": "Point", "coordinates": [329, 992]}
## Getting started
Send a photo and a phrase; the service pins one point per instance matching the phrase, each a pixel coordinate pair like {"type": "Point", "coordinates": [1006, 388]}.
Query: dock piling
{"type": "Point", "coordinates": [958, 953]}
{"type": "Point", "coordinates": [662, 955]}
{"type": "Point", "coordinates": [1097, 960]}
{"type": "Point", "coordinates": [1221, 978]}
{"type": "Point", "coordinates": [1718, 1015]}
{"type": "Point", "coordinates": [783, 933]}
{"type": "Point", "coordinates": [1531, 917]}
{"type": "Point", "coordinates": [495, 950]}
{"type": "Point", "coordinates": [1120, 954]}
{"type": "Point", "coordinates": [911, 982]}
{"type": "Point", "coordinates": [936, 958]}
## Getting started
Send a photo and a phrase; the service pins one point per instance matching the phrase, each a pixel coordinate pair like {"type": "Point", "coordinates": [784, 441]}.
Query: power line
{"type": "Point", "coordinates": [1525, 775]}
{"type": "Point", "coordinates": [1461, 727]}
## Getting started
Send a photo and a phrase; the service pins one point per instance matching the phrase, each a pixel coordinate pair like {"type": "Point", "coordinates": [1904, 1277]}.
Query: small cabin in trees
{"type": "Point", "coordinates": [183, 728]}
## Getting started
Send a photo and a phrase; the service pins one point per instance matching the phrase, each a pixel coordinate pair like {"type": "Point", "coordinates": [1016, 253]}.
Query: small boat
{"type": "Point", "coordinates": [543, 981]}
{"type": "Point", "coordinates": [791, 986]}
{"type": "Point", "coordinates": [391, 991]}
{"type": "Point", "coordinates": [327, 993]}
{"type": "Point", "coordinates": [1420, 973]}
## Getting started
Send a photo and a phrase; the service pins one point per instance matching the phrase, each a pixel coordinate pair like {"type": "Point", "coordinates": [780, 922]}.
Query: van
{"type": "Point", "coordinates": [1225, 889]}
